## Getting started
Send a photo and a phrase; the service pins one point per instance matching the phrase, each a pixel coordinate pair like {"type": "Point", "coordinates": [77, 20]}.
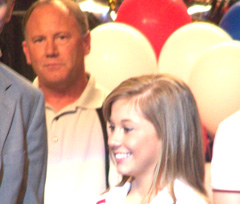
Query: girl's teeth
{"type": "Point", "coordinates": [122, 155]}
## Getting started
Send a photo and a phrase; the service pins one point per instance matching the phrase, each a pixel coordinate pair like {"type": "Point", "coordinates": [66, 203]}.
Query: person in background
{"type": "Point", "coordinates": [225, 167]}
{"type": "Point", "coordinates": [6, 8]}
{"type": "Point", "coordinates": [155, 139]}
{"type": "Point", "coordinates": [23, 137]}
{"type": "Point", "coordinates": [57, 39]}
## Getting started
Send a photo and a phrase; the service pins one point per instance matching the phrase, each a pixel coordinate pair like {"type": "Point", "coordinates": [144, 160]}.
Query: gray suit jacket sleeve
{"type": "Point", "coordinates": [23, 141]}
{"type": "Point", "coordinates": [36, 146]}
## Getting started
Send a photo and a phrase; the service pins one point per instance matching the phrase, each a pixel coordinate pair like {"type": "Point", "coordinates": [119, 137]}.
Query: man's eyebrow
{"type": "Point", "coordinates": [37, 36]}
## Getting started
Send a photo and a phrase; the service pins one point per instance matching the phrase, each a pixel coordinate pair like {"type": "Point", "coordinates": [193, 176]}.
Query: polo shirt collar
{"type": "Point", "coordinates": [92, 96]}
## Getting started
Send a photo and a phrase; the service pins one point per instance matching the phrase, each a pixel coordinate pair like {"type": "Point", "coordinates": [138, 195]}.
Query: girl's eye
{"type": "Point", "coordinates": [127, 129]}
{"type": "Point", "coordinates": [111, 127]}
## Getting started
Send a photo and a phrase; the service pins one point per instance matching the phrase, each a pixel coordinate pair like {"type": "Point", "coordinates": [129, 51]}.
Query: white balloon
{"type": "Point", "coordinates": [119, 51]}
{"type": "Point", "coordinates": [184, 46]}
{"type": "Point", "coordinates": [215, 82]}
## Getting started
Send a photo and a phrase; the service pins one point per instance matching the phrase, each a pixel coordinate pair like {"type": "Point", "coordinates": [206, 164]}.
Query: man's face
{"type": "Point", "coordinates": [54, 46]}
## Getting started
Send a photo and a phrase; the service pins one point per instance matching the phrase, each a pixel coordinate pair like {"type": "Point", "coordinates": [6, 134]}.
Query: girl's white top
{"type": "Point", "coordinates": [183, 192]}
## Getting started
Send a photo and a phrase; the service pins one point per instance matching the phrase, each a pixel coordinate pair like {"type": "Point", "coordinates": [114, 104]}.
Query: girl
{"type": "Point", "coordinates": [155, 139]}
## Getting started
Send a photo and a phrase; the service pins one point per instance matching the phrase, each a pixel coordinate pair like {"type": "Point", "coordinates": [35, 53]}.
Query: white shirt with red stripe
{"type": "Point", "coordinates": [184, 195]}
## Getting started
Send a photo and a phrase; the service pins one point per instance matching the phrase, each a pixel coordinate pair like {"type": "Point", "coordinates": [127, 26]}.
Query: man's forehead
{"type": "Point", "coordinates": [55, 5]}
{"type": "Point", "coordinates": [58, 7]}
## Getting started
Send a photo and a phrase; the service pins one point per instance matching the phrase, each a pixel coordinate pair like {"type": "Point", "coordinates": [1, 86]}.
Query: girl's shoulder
{"type": "Point", "coordinates": [116, 195]}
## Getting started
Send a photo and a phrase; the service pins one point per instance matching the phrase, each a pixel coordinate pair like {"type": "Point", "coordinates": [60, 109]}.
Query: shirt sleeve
{"type": "Point", "coordinates": [225, 167]}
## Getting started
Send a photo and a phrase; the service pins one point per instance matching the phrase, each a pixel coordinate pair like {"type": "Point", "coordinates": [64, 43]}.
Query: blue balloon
{"type": "Point", "coordinates": [231, 21]}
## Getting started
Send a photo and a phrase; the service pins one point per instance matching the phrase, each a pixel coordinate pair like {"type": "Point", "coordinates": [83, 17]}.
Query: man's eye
{"type": "Point", "coordinates": [38, 40]}
{"type": "Point", "coordinates": [62, 37]}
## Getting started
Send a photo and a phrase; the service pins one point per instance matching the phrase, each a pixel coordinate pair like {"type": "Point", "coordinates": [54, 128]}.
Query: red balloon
{"type": "Point", "coordinates": [156, 19]}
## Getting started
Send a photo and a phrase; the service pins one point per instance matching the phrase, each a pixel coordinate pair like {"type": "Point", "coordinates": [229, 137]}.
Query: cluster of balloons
{"type": "Point", "coordinates": [130, 46]}
{"type": "Point", "coordinates": [159, 37]}
{"type": "Point", "coordinates": [206, 57]}
{"type": "Point", "coordinates": [157, 20]}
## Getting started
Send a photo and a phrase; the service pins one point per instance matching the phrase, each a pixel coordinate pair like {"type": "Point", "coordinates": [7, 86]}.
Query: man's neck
{"type": "Point", "coordinates": [61, 97]}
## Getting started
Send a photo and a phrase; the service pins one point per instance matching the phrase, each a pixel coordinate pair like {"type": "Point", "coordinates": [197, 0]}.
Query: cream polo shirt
{"type": "Point", "coordinates": [76, 155]}
{"type": "Point", "coordinates": [225, 167]}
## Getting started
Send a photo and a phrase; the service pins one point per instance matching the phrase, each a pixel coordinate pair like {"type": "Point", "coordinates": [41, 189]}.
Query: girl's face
{"type": "Point", "coordinates": [133, 140]}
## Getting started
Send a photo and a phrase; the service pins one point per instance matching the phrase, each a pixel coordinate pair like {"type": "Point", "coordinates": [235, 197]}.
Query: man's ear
{"type": "Point", "coordinates": [26, 52]}
{"type": "Point", "coordinates": [87, 43]}
{"type": "Point", "coordinates": [10, 10]}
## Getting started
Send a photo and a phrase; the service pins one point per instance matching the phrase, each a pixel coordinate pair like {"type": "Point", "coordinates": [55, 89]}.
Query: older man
{"type": "Point", "coordinates": [56, 40]}
{"type": "Point", "coordinates": [23, 141]}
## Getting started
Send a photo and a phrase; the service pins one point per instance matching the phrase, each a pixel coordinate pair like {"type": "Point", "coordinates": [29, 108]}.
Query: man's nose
{"type": "Point", "coordinates": [51, 49]}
